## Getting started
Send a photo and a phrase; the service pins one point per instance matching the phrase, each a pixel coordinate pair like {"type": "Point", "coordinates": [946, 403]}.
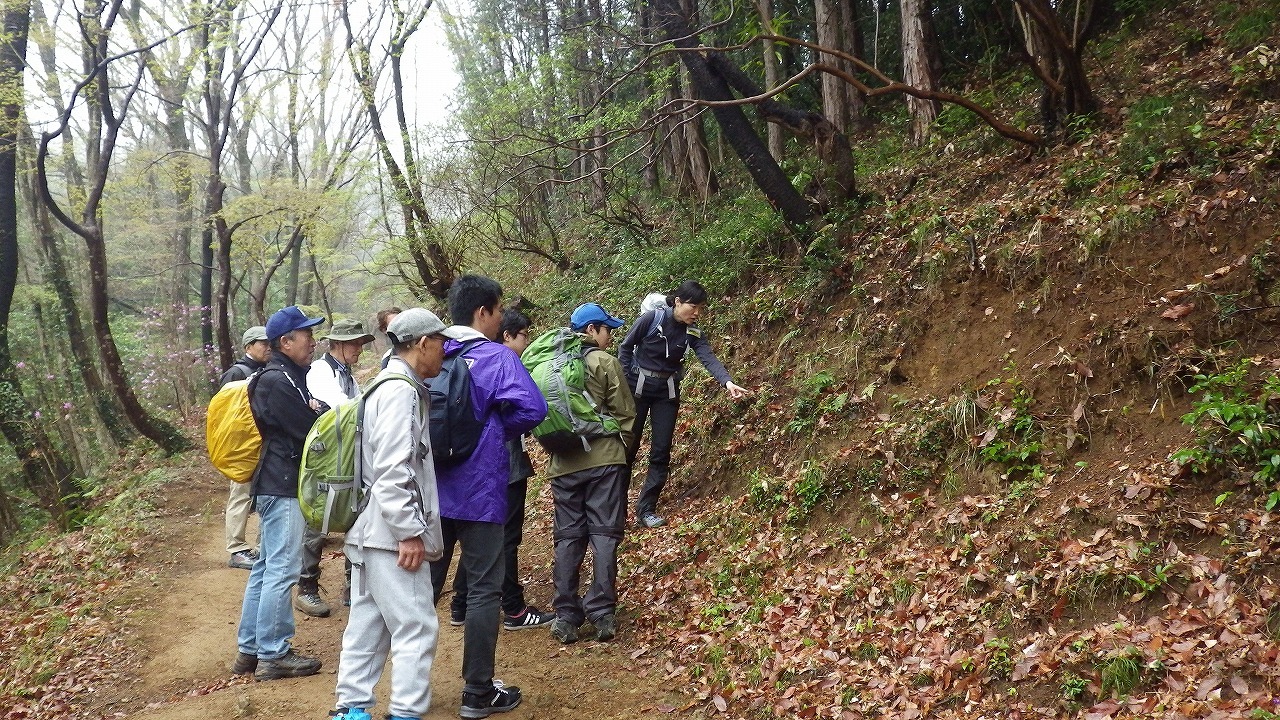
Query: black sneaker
{"type": "Point", "coordinates": [606, 627]}
{"type": "Point", "coordinates": [291, 664]}
{"type": "Point", "coordinates": [244, 664]}
{"type": "Point", "coordinates": [530, 617]}
{"type": "Point", "coordinates": [457, 616]}
{"type": "Point", "coordinates": [499, 699]}
{"type": "Point", "coordinates": [564, 632]}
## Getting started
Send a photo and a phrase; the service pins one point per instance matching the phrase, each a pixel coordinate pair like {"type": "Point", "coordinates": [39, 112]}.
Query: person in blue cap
{"type": "Point", "coordinates": [589, 489]}
{"type": "Point", "coordinates": [284, 411]}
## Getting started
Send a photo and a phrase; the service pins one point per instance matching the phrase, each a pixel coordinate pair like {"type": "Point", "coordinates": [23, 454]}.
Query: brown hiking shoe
{"type": "Point", "coordinates": [244, 664]}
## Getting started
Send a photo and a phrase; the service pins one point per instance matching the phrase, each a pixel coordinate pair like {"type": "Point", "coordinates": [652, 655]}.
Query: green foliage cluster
{"type": "Point", "coordinates": [1122, 672]}
{"type": "Point", "coordinates": [1245, 30]}
{"type": "Point", "coordinates": [1161, 129]}
{"type": "Point", "coordinates": [1237, 427]}
{"type": "Point", "coordinates": [1016, 435]}
{"type": "Point", "coordinates": [796, 498]}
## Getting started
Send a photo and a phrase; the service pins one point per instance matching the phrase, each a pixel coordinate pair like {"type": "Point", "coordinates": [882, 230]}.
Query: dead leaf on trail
{"type": "Point", "coordinates": [720, 703]}
{"type": "Point", "coordinates": [1177, 312]}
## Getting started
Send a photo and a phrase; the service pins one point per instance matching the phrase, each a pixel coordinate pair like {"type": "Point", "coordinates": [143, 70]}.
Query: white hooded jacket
{"type": "Point", "coordinates": [398, 474]}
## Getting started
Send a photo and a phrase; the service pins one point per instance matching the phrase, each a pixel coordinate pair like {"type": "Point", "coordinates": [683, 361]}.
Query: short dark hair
{"type": "Point", "coordinates": [513, 322]}
{"type": "Point", "coordinates": [690, 291]}
{"type": "Point", "coordinates": [275, 344]}
{"type": "Point", "coordinates": [383, 316]}
{"type": "Point", "coordinates": [470, 293]}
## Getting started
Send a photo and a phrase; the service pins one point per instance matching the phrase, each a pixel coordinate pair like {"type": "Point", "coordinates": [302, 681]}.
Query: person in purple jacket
{"type": "Point", "coordinates": [473, 492]}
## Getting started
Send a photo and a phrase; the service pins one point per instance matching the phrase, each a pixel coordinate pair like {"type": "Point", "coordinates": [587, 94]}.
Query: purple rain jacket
{"type": "Point", "coordinates": [505, 395]}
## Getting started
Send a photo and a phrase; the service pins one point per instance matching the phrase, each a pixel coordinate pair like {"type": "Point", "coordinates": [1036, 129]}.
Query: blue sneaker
{"type": "Point", "coordinates": [351, 714]}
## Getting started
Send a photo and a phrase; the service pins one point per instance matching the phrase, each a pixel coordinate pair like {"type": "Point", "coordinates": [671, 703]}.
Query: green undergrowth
{"type": "Point", "coordinates": [60, 586]}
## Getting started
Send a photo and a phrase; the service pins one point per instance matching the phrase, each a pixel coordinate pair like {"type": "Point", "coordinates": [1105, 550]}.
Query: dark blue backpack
{"type": "Point", "coordinates": [455, 429]}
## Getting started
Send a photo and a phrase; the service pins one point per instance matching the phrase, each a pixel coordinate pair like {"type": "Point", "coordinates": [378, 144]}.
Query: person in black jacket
{"type": "Point", "coordinates": [256, 353]}
{"type": "Point", "coordinates": [653, 357]}
{"type": "Point", "coordinates": [284, 412]}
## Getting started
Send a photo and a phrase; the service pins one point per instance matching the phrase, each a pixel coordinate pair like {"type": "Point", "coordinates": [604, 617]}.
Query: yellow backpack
{"type": "Point", "coordinates": [231, 434]}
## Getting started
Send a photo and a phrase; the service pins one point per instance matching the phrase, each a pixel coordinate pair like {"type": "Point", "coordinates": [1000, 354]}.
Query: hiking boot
{"type": "Point", "coordinates": [606, 627]}
{"type": "Point", "coordinates": [309, 602]}
{"type": "Point", "coordinates": [650, 520]}
{"type": "Point", "coordinates": [564, 632]}
{"type": "Point", "coordinates": [289, 665]}
{"type": "Point", "coordinates": [457, 616]}
{"type": "Point", "coordinates": [530, 617]}
{"type": "Point", "coordinates": [243, 560]}
{"type": "Point", "coordinates": [244, 664]}
{"type": "Point", "coordinates": [499, 699]}
{"type": "Point", "coordinates": [349, 714]}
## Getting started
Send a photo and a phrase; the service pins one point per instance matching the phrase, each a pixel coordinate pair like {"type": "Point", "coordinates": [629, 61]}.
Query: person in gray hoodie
{"type": "Point", "coordinates": [396, 535]}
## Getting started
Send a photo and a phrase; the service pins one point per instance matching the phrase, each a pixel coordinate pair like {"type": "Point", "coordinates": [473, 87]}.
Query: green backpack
{"type": "Point", "coordinates": [574, 418]}
{"type": "Point", "coordinates": [329, 488]}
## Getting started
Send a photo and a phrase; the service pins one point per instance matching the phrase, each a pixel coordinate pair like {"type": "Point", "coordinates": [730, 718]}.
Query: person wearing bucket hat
{"type": "Point", "coordinates": [331, 381]}
{"type": "Point", "coordinates": [242, 555]}
{"type": "Point", "coordinates": [284, 411]}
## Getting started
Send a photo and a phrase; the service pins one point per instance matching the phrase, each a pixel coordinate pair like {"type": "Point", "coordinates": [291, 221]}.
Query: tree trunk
{"type": "Point", "coordinates": [45, 470]}
{"type": "Point", "coordinates": [852, 35]}
{"type": "Point", "coordinates": [836, 179]}
{"type": "Point", "coordinates": [917, 66]}
{"type": "Point", "coordinates": [772, 74]}
{"type": "Point", "coordinates": [734, 125]}
{"type": "Point", "coordinates": [1055, 54]}
{"type": "Point", "coordinates": [834, 100]}
{"type": "Point", "coordinates": [56, 275]}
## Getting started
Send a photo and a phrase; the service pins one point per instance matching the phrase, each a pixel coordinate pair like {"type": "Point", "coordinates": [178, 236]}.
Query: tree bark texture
{"type": "Point", "coordinates": [917, 66]}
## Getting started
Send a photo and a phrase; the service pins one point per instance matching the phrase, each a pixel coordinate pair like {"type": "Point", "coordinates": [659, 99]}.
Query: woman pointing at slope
{"type": "Point", "coordinates": [653, 356]}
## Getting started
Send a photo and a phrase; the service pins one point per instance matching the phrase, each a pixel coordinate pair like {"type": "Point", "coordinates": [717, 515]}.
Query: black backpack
{"type": "Point", "coordinates": [455, 429]}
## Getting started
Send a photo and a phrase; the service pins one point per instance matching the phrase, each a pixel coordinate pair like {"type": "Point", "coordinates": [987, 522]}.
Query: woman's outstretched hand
{"type": "Point", "coordinates": [737, 392]}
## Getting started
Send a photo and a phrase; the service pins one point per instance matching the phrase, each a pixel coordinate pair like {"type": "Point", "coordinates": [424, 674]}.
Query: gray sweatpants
{"type": "Point", "coordinates": [392, 612]}
{"type": "Point", "coordinates": [591, 507]}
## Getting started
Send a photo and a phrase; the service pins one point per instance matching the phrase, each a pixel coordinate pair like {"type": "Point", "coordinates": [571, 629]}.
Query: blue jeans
{"type": "Point", "coordinates": [266, 618]}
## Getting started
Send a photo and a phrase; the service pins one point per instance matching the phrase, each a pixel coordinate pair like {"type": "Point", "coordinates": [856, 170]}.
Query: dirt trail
{"type": "Point", "coordinates": [185, 621]}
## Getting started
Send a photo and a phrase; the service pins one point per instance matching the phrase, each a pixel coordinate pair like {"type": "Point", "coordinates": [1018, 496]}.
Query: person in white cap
{"type": "Point", "coordinates": [392, 609]}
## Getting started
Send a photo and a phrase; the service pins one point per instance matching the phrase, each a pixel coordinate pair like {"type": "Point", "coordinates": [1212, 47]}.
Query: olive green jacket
{"type": "Point", "coordinates": [607, 385]}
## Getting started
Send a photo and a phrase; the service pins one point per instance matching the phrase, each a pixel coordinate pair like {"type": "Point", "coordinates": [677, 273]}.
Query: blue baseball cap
{"type": "Point", "coordinates": [588, 313]}
{"type": "Point", "coordinates": [286, 320]}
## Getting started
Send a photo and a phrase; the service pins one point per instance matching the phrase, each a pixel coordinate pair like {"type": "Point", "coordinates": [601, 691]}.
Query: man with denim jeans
{"type": "Point", "coordinates": [284, 411]}
{"type": "Point", "coordinates": [473, 492]}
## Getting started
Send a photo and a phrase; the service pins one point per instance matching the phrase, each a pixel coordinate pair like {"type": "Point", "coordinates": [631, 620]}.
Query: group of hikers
{"type": "Point", "coordinates": [425, 495]}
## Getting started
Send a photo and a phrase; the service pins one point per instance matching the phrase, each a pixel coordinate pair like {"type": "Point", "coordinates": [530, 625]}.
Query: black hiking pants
{"type": "Point", "coordinates": [661, 415]}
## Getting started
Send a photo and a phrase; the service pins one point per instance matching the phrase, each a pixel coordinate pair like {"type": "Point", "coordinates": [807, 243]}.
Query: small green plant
{"type": "Point", "coordinates": [1158, 579]}
{"type": "Point", "coordinates": [1121, 673]}
{"type": "Point", "coordinates": [999, 661]}
{"type": "Point", "coordinates": [1074, 687]}
{"type": "Point", "coordinates": [765, 493]}
{"type": "Point", "coordinates": [1236, 428]}
{"type": "Point", "coordinates": [1015, 438]}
